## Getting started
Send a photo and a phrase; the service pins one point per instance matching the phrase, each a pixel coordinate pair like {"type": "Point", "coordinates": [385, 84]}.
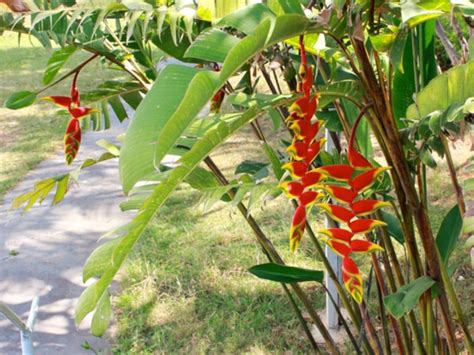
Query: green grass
{"type": "Point", "coordinates": [187, 290]}
{"type": "Point", "coordinates": [30, 135]}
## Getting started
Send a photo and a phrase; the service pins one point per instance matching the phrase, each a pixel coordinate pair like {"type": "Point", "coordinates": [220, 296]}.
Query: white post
{"type": "Point", "coordinates": [335, 261]}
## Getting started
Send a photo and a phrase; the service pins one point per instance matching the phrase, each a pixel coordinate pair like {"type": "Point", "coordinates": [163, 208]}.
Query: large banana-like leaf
{"type": "Point", "coordinates": [212, 45]}
{"type": "Point", "coordinates": [453, 87]}
{"type": "Point", "coordinates": [105, 261]}
{"type": "Point", "coordinates": [170, 107]}
{"type": "Point", "coordinates": [156, 108]}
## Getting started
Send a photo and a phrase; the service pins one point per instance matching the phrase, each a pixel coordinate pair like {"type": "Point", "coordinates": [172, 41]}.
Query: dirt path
{"type": "Point", "coordinates": [52, 245]}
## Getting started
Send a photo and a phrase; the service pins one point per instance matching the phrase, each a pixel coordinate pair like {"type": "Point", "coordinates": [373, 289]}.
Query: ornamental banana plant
{"type": "Point", "coordinates": [352, 70]}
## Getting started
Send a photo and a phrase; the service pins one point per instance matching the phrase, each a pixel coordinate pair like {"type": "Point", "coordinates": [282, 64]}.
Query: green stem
{"type": "Point", "coordinates": [383, 318]}
{"type": "Point", "coordinates": [430, 343]}
{"type": "Point", "coordinates": [69, 73]}
{"type": "Point", "coordinates": [453, 299]}
{"type": "Point", "coordinates": [391, 259]}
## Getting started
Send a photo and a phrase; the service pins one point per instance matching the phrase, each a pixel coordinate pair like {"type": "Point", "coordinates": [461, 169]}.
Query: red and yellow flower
{"type": "Point", "coordinates": [72, 137]}
{"type": "Point", "coordinates": [352, 279]}
{"type": "Point", "coordinates": [303, 150]}
{"type": "Point", "coordinates": [343, 183]}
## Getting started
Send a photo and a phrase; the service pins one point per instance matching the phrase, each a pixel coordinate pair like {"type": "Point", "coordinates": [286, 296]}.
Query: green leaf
{"type": "Point", "coordinates": [403, 87]}
{"type": "Point", "coordinates": [454, 86]}
{"type": "Point", "coordinates": [102, 316]}
{"type": "Point", "coordinates": [212, 45]}
{"type": "Point", "coordinates": [449, 232]}
{"type": "Point", "coordinates": [404, 300]}
{"type": "Point", "coordinates": [247, 19]}
{"type": "Point", "coordinates": [20, 99]}
{"type": "Point", "coordinates": [61, 190]}
{"type": "Point", "coordinates": [165, 42]}
{"type": "Point", "coordinates": [394, 227]}
{"type": "Point", "coordinates": [274, 160]}
{"type": "Point", "coordinates": [286, 274]}
{"type": "Point", "coordinates": [201, 178]}
{"type": "Point", "coordinates": [166, 94]}
{"type": "Point", "coordinates": [469, 184]}
{"type": "Point", "coordinates": [363, 136]}
{"type": "Point", "coordinates": [251, 167]}
{"type": "Point", "coordinates": [184, 96]}
{"type": "Point", "coordinates": [427, 158]}
{"type": "Point", "coordinates": [413, 15]}
{"type": "Point", "coordinates": [118, 108]}
{"type": "Point", "coordinates": [100, 260]}
{"type": "Point", "coordinates": [56, 62]}
{"type": "Point", "coordinates": [398, 48]}
{"type": "Point", "coordinates": [349, 89]}
{"type": "Point", "coordinates": [383, 42]}
{"type": "Point", "coordinates": [468, 225]}
{"type": "Point", "coordinates": [280, 7]}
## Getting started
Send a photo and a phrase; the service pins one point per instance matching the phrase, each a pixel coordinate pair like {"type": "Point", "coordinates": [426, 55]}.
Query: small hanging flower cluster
{"type": "Point", "coordinates": [72, 137]}
{"type": "Point", "coordinates": [344, 183]}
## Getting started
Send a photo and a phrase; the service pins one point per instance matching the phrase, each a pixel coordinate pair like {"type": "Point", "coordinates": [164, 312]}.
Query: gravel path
{"type": "Point", "coordinates": [52, 245]}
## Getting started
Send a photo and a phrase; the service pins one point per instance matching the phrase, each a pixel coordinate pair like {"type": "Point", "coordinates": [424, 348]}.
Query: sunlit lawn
{"type": "Point", "coordinates": [29, 135]}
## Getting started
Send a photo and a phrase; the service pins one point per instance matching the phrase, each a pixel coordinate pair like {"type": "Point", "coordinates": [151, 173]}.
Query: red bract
{"type": "Point", "coordinates": [303, 108]}
{"type": "Point", "coordinates": [338, 213]}
{"type": "Point", "coordinates": [296, 168]}
{"type": "Point", "coordinates": [357, 160]}
{"type": "Point", "coordinates": [298, 225]}
{"type": "Point", "coordinates": [340, 247]}
{"type": "Point", "coordinates": [63, 101]}
{"type": "Point", "coordinates": [308, 198]}
{"type": "Point", "coordinates": [366, 179]}
{"type": "Point", "coordinates": [72, 140]}
{"type": "Point", "coordinates": [365, 225]}
{"type": "Point", "coordinates": [298, 150]}
{"type": "Point", "coordinates": [339, 172]}
{"type": "Point", "coordinates": [313, 151]}
{"type": "Point", "coordinates": [352, 279]}
{"type": "Point", "coordinates": [312, 178]}
{"type": "Point", "coordinates": [337, 233]}
{"type": "Point", "coordinates": [363, 246]}
{"type": "Point", "coordinates": [341, 194]}
{"type": "Point", "coordinates": [365, 207]}
{"type": "Point", "coordinates": [305, 130]}
{"type": "Point", "coordinates": [292, 189]}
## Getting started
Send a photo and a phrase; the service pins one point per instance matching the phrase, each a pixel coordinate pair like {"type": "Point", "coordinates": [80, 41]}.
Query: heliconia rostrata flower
{"type": "Point", "coordinates": [72, 137]}
{"type": "Point", "coordinates": [342, 183]}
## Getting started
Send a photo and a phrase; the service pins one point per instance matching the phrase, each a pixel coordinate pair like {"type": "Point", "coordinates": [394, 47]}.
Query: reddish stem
{"type": "Point", "coordinates": [356, 124]}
